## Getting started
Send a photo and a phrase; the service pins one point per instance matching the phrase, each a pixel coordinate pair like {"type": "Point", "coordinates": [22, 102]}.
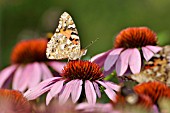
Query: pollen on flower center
{"type": "Point", "coordinates": [84, 70]}
{"type": "Point", "coordinates": [29, 51]}
{"type": "Point", "coordinates": [135, 37]}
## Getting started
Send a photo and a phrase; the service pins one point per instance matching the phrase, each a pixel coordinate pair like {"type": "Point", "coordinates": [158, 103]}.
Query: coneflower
{"type": "Point", "coordinates": [29, 65]}
{"type": "Point", "coordinates": [130, 46]}
{"type": "Point", "coordinates": [77, 77]}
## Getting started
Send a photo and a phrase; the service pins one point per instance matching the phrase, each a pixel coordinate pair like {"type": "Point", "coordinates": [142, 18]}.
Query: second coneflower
{"type": "Point", "coordinates": [130, 46]}
{"type": "Point", "coordinates": [29, 65]}
{"type": "Point", "coordinates": [12, 101]}
{"type": "Point", "coordinates": [77, 77]}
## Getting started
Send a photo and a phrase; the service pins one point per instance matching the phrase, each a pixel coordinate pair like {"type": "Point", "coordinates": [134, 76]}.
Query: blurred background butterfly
{"type": "Point", "coordinates": [157, 69]}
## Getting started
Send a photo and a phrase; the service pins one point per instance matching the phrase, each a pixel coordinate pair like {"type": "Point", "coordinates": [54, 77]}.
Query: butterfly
{"type": "Point", "coordinates": [156, 69]}
{"type": "Point", "coordinates": [65, 43]}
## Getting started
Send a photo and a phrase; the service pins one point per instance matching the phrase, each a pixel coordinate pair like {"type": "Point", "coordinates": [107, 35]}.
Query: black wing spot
{"type": "Point", "coordinates": [72, 33]}
{"type": "Point", "coordinates": [76, 39]}
{"type": "Point", "coordinates": [71, 39]}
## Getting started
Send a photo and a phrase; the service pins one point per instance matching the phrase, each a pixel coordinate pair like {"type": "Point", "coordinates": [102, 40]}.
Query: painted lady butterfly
{"type": "Point", "coordinates": [157, 69]}
{"type": "Point", "coordinates": [65, 43]}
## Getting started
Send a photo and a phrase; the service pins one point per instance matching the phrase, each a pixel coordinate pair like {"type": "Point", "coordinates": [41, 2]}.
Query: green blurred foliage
{"type": "Point", "coordinates": [103, 19]}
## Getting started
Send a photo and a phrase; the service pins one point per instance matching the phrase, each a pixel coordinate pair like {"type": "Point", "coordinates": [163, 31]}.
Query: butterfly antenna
{"type": "Point", "coordinates": [91, 43]}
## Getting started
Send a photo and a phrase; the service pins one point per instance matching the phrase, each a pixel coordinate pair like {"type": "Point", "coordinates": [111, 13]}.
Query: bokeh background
{"type": "Point", "coordinates": [103, 19]}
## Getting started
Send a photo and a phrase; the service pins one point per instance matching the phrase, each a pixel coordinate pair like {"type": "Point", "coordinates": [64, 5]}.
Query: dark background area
{"type": "Point", "coordinates": [103, 19]}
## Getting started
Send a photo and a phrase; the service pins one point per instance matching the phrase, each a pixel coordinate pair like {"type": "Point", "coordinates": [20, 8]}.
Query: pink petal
{"type": "Point", "coordinates": [64, 95]}
{"type": "Point", "coordinates": [6, 73]}
{"type": "Point", "coordinates": [135, 61]}
{"type": "Point", "coordinates": [57, 66]}
{"type": "Point", "coordinates": [112, 85]}
{"type": "Point", "coordinates": [57, 87]}
{"type": "Point", "coordinates": [41, 88]}
{"type": "Point", "coordinates": [35, 73]}
{"type": "Point", "coordinates": [100, 58]}
{"type": "Point", "coordinates": [110, 93]}
{"type": "Point", "coordinates": [76, 91]}
{"type": "Point", "coordinates": [20, 80]}
{"type": "Point", "coordinates": [112, 58]}
{"type": "Point", "coordinates": [46, 73]}
{"type": "Point", "coordinates": [154, 49]}
{"type": "Point", "coordinates": [90, 92]}
{"type": "Point", "coordinates": [48, 98]}
{"type": "Point", "coordinates": [148, 54]}
{"type": "Point", "coordinates": [109, 71]}
{"type": "Point", "coordinates": [97, 89]}
{"type": "Point", "coordinates": [122, 62]}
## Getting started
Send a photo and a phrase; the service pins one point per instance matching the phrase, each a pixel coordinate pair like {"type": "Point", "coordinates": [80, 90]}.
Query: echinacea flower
{"type": "Point", "coordinates": [130, 46]}
{"type": "Point", "coordinates": [127, 96]}
{"type": "Point", "coordinates": [146, 95]}
{"type": "Point", "coordinates": [155, 90]}
{"type": "Point", "coordinates": [12, 101]}
{"type": "Point", "coordinates": [77, 77]}
{"type": "Point", "coordinates": [29, 65]}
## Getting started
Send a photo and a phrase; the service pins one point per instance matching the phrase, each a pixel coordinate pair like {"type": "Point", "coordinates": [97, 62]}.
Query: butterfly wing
{"type": "Point", "coordinates": [65, 43]}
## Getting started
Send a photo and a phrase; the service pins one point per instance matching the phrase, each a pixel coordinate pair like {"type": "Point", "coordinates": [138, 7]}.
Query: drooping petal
{"type": "Point", "coordinates": [57, 87]}
{"type": "Point", "coordinates": [41, 88]}
{"type": "Point", "coordinates": [76, 91]}
{"type": "Point", "coordinates": [6, 73]}
{"type": "Point", "coordinates": [57, 66]}
{"type": "Point", "coordinates": [64, 95]}
{"type": "Point", "coordinates": [97, 89]}
{"type": "Point", "coordinates": [148, 54]}
{"type": "Point", "coordinates": [48, 98]}
{"type": "Point", "coordinates": [135, 61]}
{"type": "Point", "coordinates": [110, 93]}
{"type": "Point", "coordinates": [46, 73]}
{"type": "Point", "coordinates": [18, 81]}
{"type": "Point", "coordinates": [90, 92]}
{"type": "Point", "coordinates": [35, 74]}
{"type": "Point", "coordinates": [112, 58]}
{"type": "Point", "coordinates": [109, 71]}
{"type": "Point", "coordinates": [154, 49]}
{"type": "Point", "coordinates": [100, 58]}
{"type": "Point", "coordinates": [123, 61]}
{"type": "Point", "coordinates": [112, 85]}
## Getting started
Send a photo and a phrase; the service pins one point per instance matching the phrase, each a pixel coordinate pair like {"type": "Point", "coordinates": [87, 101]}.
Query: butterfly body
{"type": "Point", "coordinates": [65, 43]}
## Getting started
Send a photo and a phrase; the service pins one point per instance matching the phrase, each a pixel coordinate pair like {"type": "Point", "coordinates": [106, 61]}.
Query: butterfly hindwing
{"type": "Point", "coordinates": [65, 43]}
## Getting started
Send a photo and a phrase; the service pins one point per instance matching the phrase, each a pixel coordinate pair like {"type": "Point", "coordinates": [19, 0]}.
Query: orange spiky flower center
{"type": "Point", "coordinates": [29, 51]}
{"type": "Point", "coordinates": [13, 101]}
{"type": "Point", "coordinates": [83, 70]}
{"type": "Point", "coordinates": [135, 37]}
{"type": "Point", "coordinates": [155, 90]}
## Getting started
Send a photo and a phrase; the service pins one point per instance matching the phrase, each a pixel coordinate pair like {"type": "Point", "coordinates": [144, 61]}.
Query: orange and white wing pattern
{"type": "Point", "coordinates": [65, 43]}
{"type": "Point", "coordinates": [157, 69]}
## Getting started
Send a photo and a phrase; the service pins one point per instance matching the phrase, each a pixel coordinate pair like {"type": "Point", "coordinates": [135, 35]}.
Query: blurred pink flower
{"type": "Point", "coordinates": [29, 65]}
{"type": "Point", "coordinates": [97, 108]}
{"type": "Point", "coordinates": [12, 101]}
{"type": "Point", "coordinates": [130, 46]}
{"type": "Point", "coordinates": [77, 77]}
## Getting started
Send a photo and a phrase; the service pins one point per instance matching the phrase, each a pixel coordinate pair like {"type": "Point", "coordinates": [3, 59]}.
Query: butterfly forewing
{"type": "Point", "coordinates": [65, 43]}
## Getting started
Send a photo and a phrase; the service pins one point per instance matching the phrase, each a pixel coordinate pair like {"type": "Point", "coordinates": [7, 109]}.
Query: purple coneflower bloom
{"type": "Point", "coordinates": [29, 65]}
{"type": "Point", "coordinates": [77, 77]}
{"type": "Point", "coordinates": [130, 46]}
{"type": "Point", "coordinates": [12, 101]}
